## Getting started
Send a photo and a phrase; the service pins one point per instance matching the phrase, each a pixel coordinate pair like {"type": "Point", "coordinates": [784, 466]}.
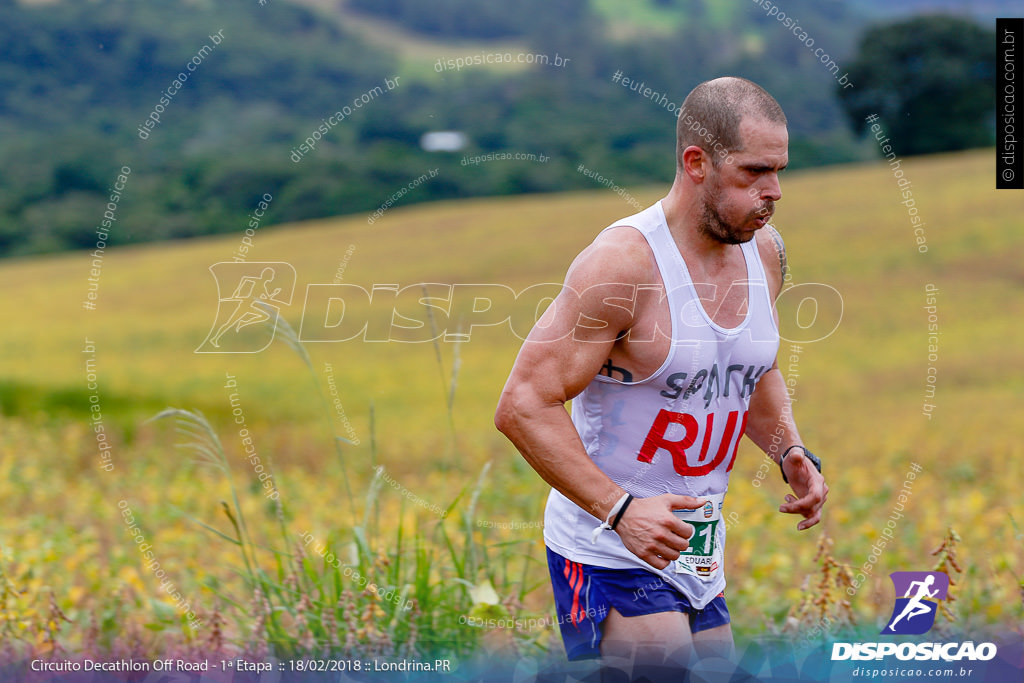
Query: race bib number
{"type": "Point", "coordinates": [704, 557]}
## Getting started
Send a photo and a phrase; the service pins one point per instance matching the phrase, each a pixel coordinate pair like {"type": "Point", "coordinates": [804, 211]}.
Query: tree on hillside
{"type": "Point", "coordinates": [930, 80]}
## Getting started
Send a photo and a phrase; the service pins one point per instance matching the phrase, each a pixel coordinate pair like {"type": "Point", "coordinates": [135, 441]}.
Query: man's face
{"type": "Point", "coordinates": [739, 196]}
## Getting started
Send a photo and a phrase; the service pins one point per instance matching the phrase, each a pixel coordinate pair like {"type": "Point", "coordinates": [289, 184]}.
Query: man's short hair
{"type": "Point", "coordinates": [711, 114]}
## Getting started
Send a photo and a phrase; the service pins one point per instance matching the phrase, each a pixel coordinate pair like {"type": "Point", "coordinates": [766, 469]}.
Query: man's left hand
{"type": "Point", "coordinates": [809, 487]}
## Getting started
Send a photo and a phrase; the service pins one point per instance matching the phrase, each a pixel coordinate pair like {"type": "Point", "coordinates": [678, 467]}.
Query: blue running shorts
{"type": "Point", "coordinates": [584, 593]}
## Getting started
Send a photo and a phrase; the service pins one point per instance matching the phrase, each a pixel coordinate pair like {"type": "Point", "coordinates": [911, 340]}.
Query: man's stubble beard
{"type": "Point", "coordinates": [713, 226]}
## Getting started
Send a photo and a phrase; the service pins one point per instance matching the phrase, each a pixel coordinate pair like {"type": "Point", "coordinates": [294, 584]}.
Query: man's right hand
{"type": "Point", "coordinates": [650, 531]}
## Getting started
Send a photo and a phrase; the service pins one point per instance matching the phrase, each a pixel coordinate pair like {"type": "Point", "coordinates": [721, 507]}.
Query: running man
{"type": "Point", "coordinates": [915, 607]}
{"type": "Point", "coordinates": [664, 338]}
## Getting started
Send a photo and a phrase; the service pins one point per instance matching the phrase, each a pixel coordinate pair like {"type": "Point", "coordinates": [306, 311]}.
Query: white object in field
{"type": "Point", "coordinates": [443, 141]}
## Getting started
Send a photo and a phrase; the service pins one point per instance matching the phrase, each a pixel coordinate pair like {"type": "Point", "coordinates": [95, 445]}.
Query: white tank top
{"type": "Point", "coordinates": [676, 431]}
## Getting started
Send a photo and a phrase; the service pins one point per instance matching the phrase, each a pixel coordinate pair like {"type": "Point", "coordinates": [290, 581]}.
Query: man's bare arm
{"type": "Point", "coordinates": [770, 422]}
{"type": "Point", "coordinates": [770, 425]}
{"type": "Point", "coordinates": [563, 353]}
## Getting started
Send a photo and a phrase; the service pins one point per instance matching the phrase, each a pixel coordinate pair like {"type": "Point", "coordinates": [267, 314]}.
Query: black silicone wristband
{"type": "Point", "coordinates": [781, 459]}
{"type": "Point", "coordinates": [622, 510]}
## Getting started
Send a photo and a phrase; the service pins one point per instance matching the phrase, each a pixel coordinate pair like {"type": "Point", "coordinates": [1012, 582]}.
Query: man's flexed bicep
{"type": "Point", "coordinates": [562, 354]}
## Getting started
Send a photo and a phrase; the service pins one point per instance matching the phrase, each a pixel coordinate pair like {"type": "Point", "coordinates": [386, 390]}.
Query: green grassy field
{"type": "Point", "coordinates": [859, 397]}
{"type": "Point", "coordinates": [417, 54]}
{"type": "Point", "coordinates": [649, 17]}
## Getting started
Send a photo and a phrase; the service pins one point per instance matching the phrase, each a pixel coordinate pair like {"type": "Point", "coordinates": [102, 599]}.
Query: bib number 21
{"type": "Point", "coordinates": [702, 543]}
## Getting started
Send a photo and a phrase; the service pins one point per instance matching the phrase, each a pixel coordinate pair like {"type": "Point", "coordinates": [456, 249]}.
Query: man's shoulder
{"type": "Point", "coordinates": [772, 251]}
{"type": "Point", "coordinates": [619, 254]}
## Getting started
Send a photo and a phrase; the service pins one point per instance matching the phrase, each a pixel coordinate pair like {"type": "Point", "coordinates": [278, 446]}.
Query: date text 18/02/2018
{"type": "Point", "coordinates": [372, 664]}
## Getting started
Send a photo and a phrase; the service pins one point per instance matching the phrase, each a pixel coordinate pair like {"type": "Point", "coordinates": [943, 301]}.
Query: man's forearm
{"type": "Point", "coordinates": [770, 423]}
{"type": "Point", "coordinates": [546, 437]}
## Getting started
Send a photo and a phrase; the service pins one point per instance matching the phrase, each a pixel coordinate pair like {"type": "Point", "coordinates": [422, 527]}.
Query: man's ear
{"type": "Point", "coordinates": [696, 164]}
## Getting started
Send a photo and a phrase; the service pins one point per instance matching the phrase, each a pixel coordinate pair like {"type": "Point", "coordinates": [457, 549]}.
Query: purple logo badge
{"type": "Point", "coordinates": [917, 601]}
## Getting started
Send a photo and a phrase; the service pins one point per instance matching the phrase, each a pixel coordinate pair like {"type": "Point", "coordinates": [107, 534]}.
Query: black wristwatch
{"type": "Point", "coordinates": [815, 460]}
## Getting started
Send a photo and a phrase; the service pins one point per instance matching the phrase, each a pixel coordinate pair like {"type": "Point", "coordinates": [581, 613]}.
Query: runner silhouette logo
{"type": "Point", "coordinates": [917, 601]}
{"type": "Point", "coordinates": [249, 301]}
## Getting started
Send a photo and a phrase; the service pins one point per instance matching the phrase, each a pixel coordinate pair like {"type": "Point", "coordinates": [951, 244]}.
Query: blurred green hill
{"type": "Point", "coordinates": [80, 79]}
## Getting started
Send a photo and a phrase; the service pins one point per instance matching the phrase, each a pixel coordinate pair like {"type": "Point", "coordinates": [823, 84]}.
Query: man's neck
{"type": "Point", "coordinates": [682, 214]}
